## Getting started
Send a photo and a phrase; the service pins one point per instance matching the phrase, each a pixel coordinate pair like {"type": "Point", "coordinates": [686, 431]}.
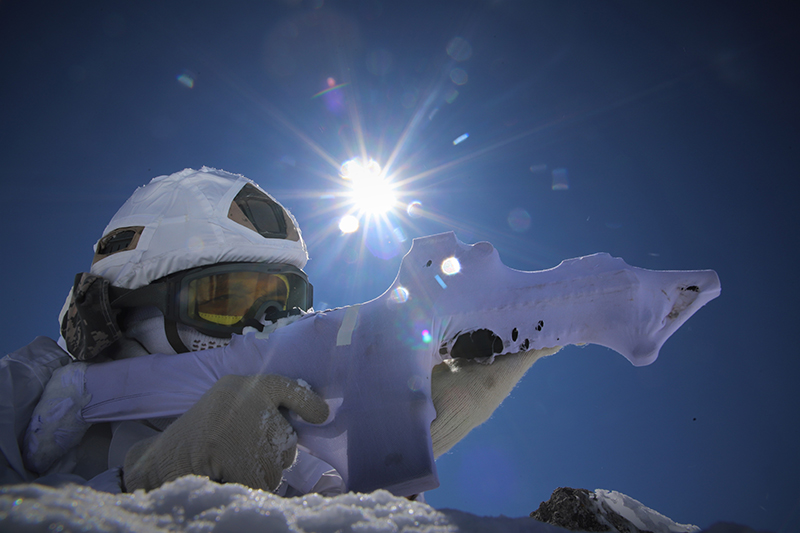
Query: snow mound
{"type": "Point", "coordinates": [195, 504]}
{"type": "Point", "coordinates": [638, 514]}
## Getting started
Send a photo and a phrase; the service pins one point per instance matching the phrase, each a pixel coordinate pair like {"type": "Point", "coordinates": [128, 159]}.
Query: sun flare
{"type": "Point", "coordinates": [371, 192]}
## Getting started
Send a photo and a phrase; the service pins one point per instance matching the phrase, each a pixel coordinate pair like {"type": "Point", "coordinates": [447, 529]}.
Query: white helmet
{"type": "Point", "coordinates": [194, 218]}
{"type": "Point", "coordinates": [176, 248]}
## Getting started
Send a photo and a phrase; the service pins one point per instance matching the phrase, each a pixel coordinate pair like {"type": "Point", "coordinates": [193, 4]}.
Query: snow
{"type": "Point", "coordinates": [195, 504]}
{"type": "Point", "coordinates": [643, 517]}
{"type": "Point", "coordinates": [277, 437]}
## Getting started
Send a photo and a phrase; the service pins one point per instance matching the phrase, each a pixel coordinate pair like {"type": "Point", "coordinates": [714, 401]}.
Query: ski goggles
{"type": "Point", "coordinates": [223, 299]}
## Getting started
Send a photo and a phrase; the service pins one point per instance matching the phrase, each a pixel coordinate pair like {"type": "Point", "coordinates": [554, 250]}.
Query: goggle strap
{"type": "Point", "coordinates": [171, 329]}
{"type": "Point", "coordinates": [154, 294]}
{"type": "Point", "coordinates": [253, 323]}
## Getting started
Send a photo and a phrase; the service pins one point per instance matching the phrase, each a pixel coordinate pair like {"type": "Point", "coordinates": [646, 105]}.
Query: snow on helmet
{"type": "Point", "coordinates": [194, 218]}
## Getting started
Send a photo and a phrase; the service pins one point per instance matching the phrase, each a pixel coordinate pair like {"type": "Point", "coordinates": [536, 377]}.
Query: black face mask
{"type": "Point", "coordinates": [89, 326]}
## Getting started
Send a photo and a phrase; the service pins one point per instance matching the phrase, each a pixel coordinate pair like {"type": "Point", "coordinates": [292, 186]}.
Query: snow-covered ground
{"type": "Point", "coordinates": [194, 504]}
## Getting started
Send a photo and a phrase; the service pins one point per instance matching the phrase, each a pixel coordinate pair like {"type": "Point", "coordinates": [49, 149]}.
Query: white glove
{"type": "Point", "coordinates": [234, 433]}
{"type": "Point", "coordinates": [56, 426]}
{"type": "Point", "coordinates": [466, 393]}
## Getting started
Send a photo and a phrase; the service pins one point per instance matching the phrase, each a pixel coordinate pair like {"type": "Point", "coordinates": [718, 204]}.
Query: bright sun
{"type": "Point", "coordinates": [371, 192]}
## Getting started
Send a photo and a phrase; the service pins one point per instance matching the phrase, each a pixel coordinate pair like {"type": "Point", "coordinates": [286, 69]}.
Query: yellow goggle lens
{"type": "Point", "coordinates": [225, 320]}
{"type": "Point", "coordinates": [226, 298]}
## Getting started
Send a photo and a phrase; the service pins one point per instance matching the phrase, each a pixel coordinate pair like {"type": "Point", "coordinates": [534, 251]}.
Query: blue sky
{"type": "Point", "coordinates": [675, 126]}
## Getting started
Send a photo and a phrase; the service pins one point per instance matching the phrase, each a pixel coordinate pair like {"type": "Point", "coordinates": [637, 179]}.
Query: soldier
{"type": "Point", "coordinates": [190, 260]}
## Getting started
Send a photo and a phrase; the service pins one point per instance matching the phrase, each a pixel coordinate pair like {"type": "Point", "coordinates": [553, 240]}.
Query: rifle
{"type": "Point", "coordinates": [372, 362]}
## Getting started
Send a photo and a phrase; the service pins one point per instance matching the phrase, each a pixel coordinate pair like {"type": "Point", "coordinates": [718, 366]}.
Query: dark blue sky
{"type": "Point", "coordinates": [676, 125]}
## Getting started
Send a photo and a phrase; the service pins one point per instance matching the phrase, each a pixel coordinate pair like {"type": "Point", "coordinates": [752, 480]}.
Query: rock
{"type": "Point", "coordinates": [577, 510]}
{"type": "Point", "coordinates": [605, 510]}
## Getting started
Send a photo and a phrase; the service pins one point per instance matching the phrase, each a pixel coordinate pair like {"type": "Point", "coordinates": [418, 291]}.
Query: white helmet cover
{"type": "Point", "coordinates": [185, 220]}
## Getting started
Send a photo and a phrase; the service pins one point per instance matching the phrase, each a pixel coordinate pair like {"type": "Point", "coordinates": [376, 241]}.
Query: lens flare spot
{"type": "Point", "coordinates": [440, 281]}
{"type": "Point", "coordinates": [451, 96]}
{"type": "Point", "coordinates": [519, 220]}
{"type": "Point", "coordinates": [426, 336]}
{"type": "Point", "coordinates": [538, 167]}
{"type": "Point", "coordinates": [451, 266]}
{"type": "Point", "coordinates": [461, 139]}
{"type": "Point", "coordinates": [459, 49]}
{"type": "Point", "coordinates": [195, 244]}
{"type": "Point", "coordinates": [399, 234]}
{"type": "Point", "coordinates": [459, 76]}
{"type": "Point", "coordinates": [348, 224]}
{"type": "Point", "coordinates": [330, 88]}
{"type": "Point", "coordinates": [400, 295]}
{"type": "Point", "coordinates": [415, 383]}
{"type": "Point", "coordinates": [414, 209]}
{"type": "Point", "coordinates": [186, 79]}
{"type": "Point", "coordinates": [560, 179]}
